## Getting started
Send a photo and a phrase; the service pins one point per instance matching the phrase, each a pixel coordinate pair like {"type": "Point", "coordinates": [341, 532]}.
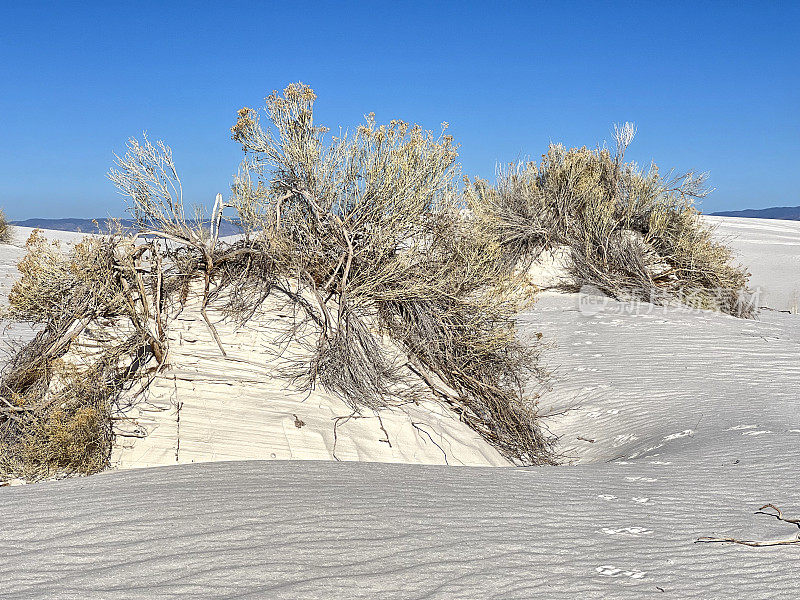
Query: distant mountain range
{"type": "Point", "coordinates": [791, 213]}
{"type": "Point", "coordinates": [102, 225]}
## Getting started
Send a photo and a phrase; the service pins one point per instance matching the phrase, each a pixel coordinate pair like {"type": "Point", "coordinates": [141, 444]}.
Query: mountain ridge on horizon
{"type": "Point", "coordinates": [789, 213]}
{"type": "Point", "coordinates": [102, 225]}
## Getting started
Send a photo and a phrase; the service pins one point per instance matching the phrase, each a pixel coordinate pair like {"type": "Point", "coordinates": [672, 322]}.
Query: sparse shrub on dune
{"type": "Point", "coordinates": [630, 233]}
{"type": "Point", "coordinates": [55, 414]}
{"type": "Point", "coordinates": [5, 229]}
{"type": "Point", "coordinates": [369, 227]}
{"type": "Point", "coordinates": [394, 295]}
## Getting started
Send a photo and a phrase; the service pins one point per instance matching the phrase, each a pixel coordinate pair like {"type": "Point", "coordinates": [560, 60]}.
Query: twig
{"type": "Point", "coordinates": [353, 415]}
{"type": "Point", "coordinates": [386, 433]}
{"type": "Point", "coordinates": [418, 428]}
{"type": "Point", "coordinates": [179, 406]}
{"type": "Point", "coordinates": [778, 514]}
{"type": "Point", "coordinates": [213, 331]}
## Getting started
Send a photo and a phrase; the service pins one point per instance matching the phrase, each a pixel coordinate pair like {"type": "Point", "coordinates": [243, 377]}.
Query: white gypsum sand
{"type": "Point", "coordinates": [679, 424]}
{"type": "Point", "coordinates": [206, 407]}
{"type": "Point", "coordinates": [770, 248]}
{"type": "Point", "coordinates": [307, 529]}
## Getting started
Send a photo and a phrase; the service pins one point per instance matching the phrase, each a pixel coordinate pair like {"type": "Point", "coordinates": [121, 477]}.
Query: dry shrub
{"type": "Point", "coordinates": [55, 416]}
{"type": "Point", "coordinates": [368, 227]}
{"type": "Point", "coordinates": [395, 297]}
{"type": "Point", "coordinates": [632, 234]}
{"type": "Point", "coordinates": [5, 229]}
{"type": "Point", "coordinates": [73, 436]}
{"type": "Point", "coordinates": [55, 286]}
{"type": "Point", "coordinates": [58, 414]}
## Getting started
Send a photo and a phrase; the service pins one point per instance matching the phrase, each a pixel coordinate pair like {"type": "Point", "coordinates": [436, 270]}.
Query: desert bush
{"type": "Point", "coordinates": [369, 227]}
{"type": "Point", "coordinates": [54, 285]}
{"type": "Point", "coordinates": [55, 415]}
{"type": "Point", "coordinates": [630, 233]}
{"type": "Point", "coordinates": [5, 229]}
{"type": "Point", "coordinates": [72, 434]}
{"type": "Point", "coordinates": [60, 417]}
{"type": "Point", "coordinates": [395, 296]}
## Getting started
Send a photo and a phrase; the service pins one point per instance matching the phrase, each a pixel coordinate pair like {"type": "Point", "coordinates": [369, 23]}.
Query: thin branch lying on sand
{"type": "Point", "coordinates": [778, 514]}
{"type": "Point", "coordinates": [344, 419]}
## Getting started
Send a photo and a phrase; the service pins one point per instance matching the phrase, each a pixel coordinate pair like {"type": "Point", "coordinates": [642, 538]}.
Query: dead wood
{"type": "Point", "coordinates": [777, 514]}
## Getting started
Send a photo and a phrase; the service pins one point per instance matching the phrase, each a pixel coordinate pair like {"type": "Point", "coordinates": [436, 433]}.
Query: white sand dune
{"type": "Point", "coordinates": [771, 250]}
{"type": "Point", "coordinates": [676, 424]}
{"type": "Point", "coordinates": [365, 530]}
{"type": "Point", "coordinates": [208, 407]}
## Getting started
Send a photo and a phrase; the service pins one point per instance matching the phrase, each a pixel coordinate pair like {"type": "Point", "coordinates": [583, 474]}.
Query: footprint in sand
{"type": "Point", "coordinates": [596, 414]}
{"type": "Point", "coordinates": [636, 499]}
{"type": "Point", "coordinates": [678, 435]}
{"type": "Point", "coordinates": [634, 531]}
{"type": "Point", "coordinates": [612, 571]}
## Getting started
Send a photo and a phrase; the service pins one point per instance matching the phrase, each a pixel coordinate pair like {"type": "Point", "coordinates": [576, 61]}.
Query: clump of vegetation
{"type": "Point", "coordinates": [368, 228]}
{"type": "Point", "coordinates": [55, 407]}
{"type": "Point", "coordinates": [5, 229]}
{"type": "Point", "coordinates": [629, 233]}
{"type": "Point", "coordinates": [394, 293]}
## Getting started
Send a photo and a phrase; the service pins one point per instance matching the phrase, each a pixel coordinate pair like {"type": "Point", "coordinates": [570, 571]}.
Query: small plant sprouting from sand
{"type": "Point", "coordinates": [629, 233]}
{"type": "Point", "coordinates": [394, 293]}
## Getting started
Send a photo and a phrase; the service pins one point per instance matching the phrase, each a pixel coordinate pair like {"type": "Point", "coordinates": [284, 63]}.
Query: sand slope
{"type": "Point", "coordinates": [207, 407]}
{"type": "Point", "coordinates": [771, 250]}
{"type": "Point", "coordinates": [647, 382]}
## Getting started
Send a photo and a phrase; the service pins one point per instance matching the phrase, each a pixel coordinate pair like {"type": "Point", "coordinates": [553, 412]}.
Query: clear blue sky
{"type": "Point", "coordinates": [711, 86]}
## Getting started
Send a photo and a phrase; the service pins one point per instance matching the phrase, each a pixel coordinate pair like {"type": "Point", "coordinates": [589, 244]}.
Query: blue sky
{"type": "Point", "coordinates": [710, 86]}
